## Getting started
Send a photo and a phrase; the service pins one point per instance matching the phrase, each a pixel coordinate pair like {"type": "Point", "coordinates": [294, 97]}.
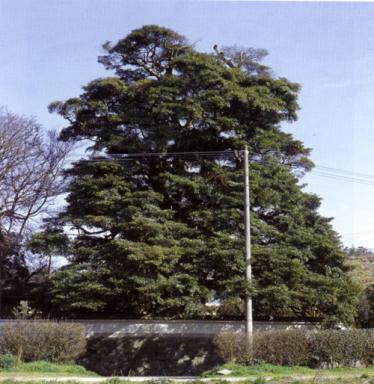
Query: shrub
{"type": "Point", "coordinates": [365, 315]}
{"type": "Point", "coordinates": [330, 348]}
{"type": "Point", "coordinates": [232, 347]}
{"type": "Point", "coordinates": [43, 340]}
{"type": "Point", "coordinates": [275, 347]}
{"type": "Point", "coordinates": [7, 361]}
{"type": "Point", "coordinates": [319, 348]}
{"type": "Point", "coordinates": [282, 347]}
{"type": "Point", "coordinates": [369, 355]}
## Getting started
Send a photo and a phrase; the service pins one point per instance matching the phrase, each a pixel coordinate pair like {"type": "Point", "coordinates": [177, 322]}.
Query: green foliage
{"type": "Point", "coordinates": [34, 340]}
{"type": "Point", "coordinates": [232, 347]}
{"type": "Point", "coordinates": [24, 311]}
{"type": "Point", "coordinates": [259, 369]}
{"type": "Point", "coordinates": [46, 367]}
{"type": "Point", "coordinates": [278, 372]}
{"type": "Point", "coordinates": [260, 380]}
{"type": "Point", "coordinates": [164, 236]}
{"type": "Point", "coordinates": [323, 348]}
{"type": "Point", "coordinates": [282, 347]}
{"type": "Point", "coordinates": [7, 361]}
{"type": "Point", "coordinates": [365, 316]}
{"type": "Point", "coordinates": [275, 347]}
{"type": "Point", "coordinates": [342, 348]}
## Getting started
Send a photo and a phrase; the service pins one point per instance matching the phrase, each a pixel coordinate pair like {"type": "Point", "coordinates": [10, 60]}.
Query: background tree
{"type": "Point", "coordinates": [362, 261]}
{"type": "Point", "coordinates": [365, 315]}
{"type": "Point", "coordinates": [30, 166]}
{"type": "Point", "coordinates": [163, 236]}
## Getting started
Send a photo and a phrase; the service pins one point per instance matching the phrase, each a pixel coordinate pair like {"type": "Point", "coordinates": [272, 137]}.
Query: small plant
{"type": "Point", "coordinates": [24, 311]}
{"type": "Point", "coordinates": [7, 361]}
{"type": "Point", "coordinates": [114, 380]}
{"type": "Point", "coordinates": [260, 380]}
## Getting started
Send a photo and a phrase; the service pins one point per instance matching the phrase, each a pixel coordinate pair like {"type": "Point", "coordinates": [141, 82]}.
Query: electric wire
{"type": "Point", "coordinates": [344, 171]}
{"type": "Point", "coordinates": [343, 178]}
{"type": "Point", "coordinates": [319, 170]}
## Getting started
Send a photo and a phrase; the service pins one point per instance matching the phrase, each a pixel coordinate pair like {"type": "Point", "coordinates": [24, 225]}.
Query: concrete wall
{"type": "Point", "coordinates": [135, 347]}
{"type": "Point", "coordinates": [155, 347]}
{"type": "Point", "coordinates": [119, 328]}
{"type": "Point", "coordinates": [151, 355]}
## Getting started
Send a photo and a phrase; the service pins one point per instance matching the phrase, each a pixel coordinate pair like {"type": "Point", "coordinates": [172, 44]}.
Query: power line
{"type": "Point", "coordinates": [319, 170]}
{"type": "Point", "coordinates": [343, 178]}
{"type": "Point", "coordinates": [344, 171]}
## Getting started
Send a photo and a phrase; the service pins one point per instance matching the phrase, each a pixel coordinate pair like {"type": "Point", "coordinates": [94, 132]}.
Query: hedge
{"type": "Point", "coordinates": [317, 348]}
{"type": "Point", "coordinates": [34, 340]}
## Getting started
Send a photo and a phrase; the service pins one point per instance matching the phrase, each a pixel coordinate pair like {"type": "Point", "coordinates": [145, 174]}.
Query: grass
{"type": "Point", "coordinates": [258, 380]}
{"type": "Point", "coordinates": [254, 374]}
{"type": "Point", "coordinates": [45, 368]}
{"type": "Point", "coordinates": [259, 370]}
{"type": "Point", "coordinates": [238, 370]}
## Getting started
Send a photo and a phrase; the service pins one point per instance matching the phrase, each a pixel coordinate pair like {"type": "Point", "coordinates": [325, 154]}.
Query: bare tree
{"type": "Point", "coordinates": [31, 162]}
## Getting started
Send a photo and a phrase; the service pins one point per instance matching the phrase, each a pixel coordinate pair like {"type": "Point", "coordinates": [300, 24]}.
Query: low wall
{"type": "Point", "coordinates": [119, 328]}
{"type": "Point", "coordinates": [135, 347]}
{"type": "Point", "coordinates": [155, 347]}
{"type": "Point", "coordinates": [169, 355]}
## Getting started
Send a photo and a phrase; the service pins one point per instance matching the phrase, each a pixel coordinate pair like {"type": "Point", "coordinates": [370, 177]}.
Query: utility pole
{"type": "Point", "coordinates": [248, 268]}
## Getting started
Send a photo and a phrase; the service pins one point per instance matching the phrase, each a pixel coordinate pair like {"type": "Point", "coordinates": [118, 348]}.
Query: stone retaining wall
{"type": "Point", "coordinates": [155, 347]}
{"type": "Point", "coordinates": [134, 347]}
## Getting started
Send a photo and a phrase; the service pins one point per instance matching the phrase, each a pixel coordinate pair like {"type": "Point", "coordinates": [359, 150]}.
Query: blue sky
{"type": "Point", "coordinates": [49, 50]}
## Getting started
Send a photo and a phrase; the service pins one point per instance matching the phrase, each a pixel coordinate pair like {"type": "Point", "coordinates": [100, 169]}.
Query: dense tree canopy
{"type": "Point", "coordinates": [163, 236]}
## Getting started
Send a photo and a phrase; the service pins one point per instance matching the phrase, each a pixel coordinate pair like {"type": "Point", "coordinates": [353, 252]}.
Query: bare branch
{"type": "Point", "coordinates": [31, 163]}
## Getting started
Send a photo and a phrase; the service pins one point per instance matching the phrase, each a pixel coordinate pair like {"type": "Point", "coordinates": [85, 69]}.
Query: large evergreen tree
{"type": "Point", "coordinates": [163, 236]}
